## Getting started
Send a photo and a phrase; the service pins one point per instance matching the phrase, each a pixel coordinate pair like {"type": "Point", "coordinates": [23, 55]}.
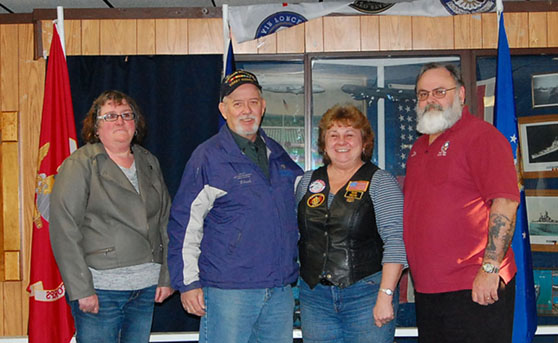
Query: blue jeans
{"type": "Point", "coordinates": [336, 315]}
{"type": "Point", "coordinates": [124, 317]}
{"type": "Point", "coordinates": [247, 315]}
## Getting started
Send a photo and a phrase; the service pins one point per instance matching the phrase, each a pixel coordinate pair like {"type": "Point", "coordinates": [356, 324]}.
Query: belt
{"type": "Point", "coordinates": [326, 282]}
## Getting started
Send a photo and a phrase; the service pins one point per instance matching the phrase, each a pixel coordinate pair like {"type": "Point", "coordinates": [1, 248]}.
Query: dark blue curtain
{"type": "Point", "coordinates": [178, 96]}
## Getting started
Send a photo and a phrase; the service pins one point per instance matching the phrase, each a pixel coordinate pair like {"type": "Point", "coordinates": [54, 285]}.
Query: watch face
{"type": "Point", "coordinates": [387, 291]}
{"type": "Point", "coordinates": [488, 267]}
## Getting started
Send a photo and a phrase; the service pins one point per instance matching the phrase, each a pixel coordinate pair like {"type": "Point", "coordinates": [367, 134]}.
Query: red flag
{"type": "Point", "coordinates": [50, 317]}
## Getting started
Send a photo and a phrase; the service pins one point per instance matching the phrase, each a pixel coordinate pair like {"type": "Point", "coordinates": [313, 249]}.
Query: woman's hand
{"type": "Point", "coordinates": [89, 304]}
{"type": "Point", "coordinates": [383, 310]}
{"type": "Point", "coordinates": [162, 293]}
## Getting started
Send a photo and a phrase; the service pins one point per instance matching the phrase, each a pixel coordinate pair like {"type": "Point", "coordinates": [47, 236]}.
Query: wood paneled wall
{"type": "Point", "coordinates": [21, 93]}
{"type": "Point", "coordinates": [22, 81]}
{"type": "Point", "coordinates": [10, 239]}
{"type": "Point", "coordinates": [327, 34]}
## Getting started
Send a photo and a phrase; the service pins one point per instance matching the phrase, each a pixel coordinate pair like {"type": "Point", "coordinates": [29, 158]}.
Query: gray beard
{"type": "Point", "coordinates": [434, 118]}
{"type": "Point", "coordinates": [249, 131]}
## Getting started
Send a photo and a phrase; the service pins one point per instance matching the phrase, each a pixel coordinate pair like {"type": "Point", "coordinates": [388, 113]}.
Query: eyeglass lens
{"type": "Point", "coordinates": [438, 93]}
{"type": "Point", "coordinates": [111, 116]}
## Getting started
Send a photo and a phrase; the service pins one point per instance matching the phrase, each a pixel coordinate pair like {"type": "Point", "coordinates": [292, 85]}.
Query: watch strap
{"type": "Point", "coordinates": [387, 291]}
{"type": "Point", "coordinates": [490, 268]}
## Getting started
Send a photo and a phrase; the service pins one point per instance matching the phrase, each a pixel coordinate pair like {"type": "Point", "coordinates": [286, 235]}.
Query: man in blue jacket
{"type": "Point", "coordinates": [232, 229]}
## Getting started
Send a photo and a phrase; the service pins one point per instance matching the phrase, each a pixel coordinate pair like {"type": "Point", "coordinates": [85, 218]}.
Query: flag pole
{"type": "Point", "coordinates": [226, 37]}
{"type": "Point", "coordinates": [60, 27]}
{"type": "Point", "coordinates": [499, 8]}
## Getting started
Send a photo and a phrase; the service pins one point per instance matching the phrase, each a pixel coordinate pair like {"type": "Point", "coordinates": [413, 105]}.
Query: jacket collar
{"type": "Point", "coordinates": [111, 171]}
{"type": "Point", "coordinates": [144, 170]}
{"type": "Point", "coordinates": [231, 148]}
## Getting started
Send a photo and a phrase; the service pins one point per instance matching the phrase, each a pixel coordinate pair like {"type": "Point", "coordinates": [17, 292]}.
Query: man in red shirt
{"type": "Point", "coordinates": [461, 195]}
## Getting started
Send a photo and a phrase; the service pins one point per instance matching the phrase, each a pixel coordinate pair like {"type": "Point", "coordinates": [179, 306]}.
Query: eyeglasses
{"type": "Point", "coordinates": [111, 116]}
{"type": "Point", "coordinates": [438, 93]}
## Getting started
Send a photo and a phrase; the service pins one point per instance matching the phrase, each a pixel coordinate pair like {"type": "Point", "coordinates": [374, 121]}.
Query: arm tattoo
{"type": "Point", "coordinates": [499, 236]}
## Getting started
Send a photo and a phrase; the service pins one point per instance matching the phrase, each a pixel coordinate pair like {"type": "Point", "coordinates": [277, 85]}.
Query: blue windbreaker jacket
{"type": "Point", "coordinates": [230, 226]}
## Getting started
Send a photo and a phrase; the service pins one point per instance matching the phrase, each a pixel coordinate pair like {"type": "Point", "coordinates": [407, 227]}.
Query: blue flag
{"type": "Point", "coordinates": [525, 316]}
{"type": "Point", "coordinates": [230, 64]}
{"type": "Point", "coordinates": [229, 67]}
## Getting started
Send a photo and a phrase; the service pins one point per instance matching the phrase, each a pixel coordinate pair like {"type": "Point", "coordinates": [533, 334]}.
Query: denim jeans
{"type": "Point", "coordinates": [337, 315]}
{"type": "Point", "coordinates": [124, 317]}
{"type": "Point", "coordinates": [247, 315]}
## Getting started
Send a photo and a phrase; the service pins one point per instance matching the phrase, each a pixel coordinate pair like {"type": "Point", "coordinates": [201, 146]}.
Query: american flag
{"type": "Point", "coordinates": [399, 120]}
{"type": "Point", "coordinates": [357, 186]}
{"type": "Point", "coordinates": [400, 133]}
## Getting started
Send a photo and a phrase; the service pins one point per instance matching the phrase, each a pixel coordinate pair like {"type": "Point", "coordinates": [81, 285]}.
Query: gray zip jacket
{"type": "Point", "coordinates": [98, 220]}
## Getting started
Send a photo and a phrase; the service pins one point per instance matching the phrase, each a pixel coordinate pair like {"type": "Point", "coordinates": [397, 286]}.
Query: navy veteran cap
{"type": "Point", "coordinates": [237, 79]}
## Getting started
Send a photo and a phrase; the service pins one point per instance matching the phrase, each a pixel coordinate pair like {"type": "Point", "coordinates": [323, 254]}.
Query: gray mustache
{"type": "Point", "coordinates": [435, 107]}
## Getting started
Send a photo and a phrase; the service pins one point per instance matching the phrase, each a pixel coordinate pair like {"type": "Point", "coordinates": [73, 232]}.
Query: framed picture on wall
{"type": "Point", "coordinates": [538, 137]}
{"type": "Point", "coordinates": [546, 291]}
{"type": "Point", "coordinates": [542, 219]}
{"type": "Point", "coordinates": [544, 89]}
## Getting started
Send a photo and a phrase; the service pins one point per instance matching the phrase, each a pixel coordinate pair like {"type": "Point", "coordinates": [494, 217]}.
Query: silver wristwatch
{"type": "Point", "coordinates": [386, 291]}
{"type": "Point", "coordinates": [490, 268]}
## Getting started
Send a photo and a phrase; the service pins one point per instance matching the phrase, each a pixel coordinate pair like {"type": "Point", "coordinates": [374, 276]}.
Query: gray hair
{"type": "Point", "coordinates": [451, 68]}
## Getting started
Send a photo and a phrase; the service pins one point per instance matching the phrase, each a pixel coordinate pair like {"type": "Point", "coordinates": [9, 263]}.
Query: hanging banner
{"type": "Point", "coordinates": [255, 21]}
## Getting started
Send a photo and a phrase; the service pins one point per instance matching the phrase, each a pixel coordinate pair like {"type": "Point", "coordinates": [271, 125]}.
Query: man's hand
{"type": "Point", "coordinates": [162, 293]}
{"type": "Point", "coordinates": [501, 225]}
{"type": "Point", "coordinates": [89, 304]}
{"type": "Point", "coordinates": [485, 287]}
{"type": "Point", "coordinates": [193, 302]}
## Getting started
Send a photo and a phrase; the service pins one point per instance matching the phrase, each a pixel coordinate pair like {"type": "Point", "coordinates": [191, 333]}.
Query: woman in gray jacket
{"type": "Point", "coordinates": [109, 210]}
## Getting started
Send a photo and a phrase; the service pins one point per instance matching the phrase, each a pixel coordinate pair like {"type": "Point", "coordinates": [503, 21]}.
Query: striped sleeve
{"type": "Point", "coordinates": [388, 206]}
{"type": "Point", "coordinates": [303, 185]}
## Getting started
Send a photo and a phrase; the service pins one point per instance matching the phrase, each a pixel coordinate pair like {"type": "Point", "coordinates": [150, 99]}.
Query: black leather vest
{"type": "Point", "coordinates": [341, 243]}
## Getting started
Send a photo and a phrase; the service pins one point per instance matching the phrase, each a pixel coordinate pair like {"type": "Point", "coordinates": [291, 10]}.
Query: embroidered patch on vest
{"type": "Point", "coordinates": [315, 200]}
{"type": "Point", "coordinates": [355, 190]}
{"type": "Point", "coordinates": [317, 186]}
{"type": "Point", "coordinates": [359, 186]}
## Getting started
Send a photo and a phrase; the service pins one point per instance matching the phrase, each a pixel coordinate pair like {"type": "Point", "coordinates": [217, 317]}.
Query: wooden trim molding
{"type": "Point", "coordinates": [10, 237]}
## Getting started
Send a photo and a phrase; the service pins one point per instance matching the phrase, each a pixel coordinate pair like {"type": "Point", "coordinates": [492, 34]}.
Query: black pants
{"type": "Point", "coordinates": [453, 317]}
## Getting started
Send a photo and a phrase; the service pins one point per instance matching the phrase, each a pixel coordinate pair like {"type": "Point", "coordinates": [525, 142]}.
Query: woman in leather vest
{"type": "Point", "coordinates": [350, 215]}
{"type": "Point", "coordinates": [109, 211]}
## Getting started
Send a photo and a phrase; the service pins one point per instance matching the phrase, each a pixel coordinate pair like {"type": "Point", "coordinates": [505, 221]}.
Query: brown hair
{"type": "Point", "coordinates": [347, 115]}
{"type": "Point", "coordinates": [89, 130]}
